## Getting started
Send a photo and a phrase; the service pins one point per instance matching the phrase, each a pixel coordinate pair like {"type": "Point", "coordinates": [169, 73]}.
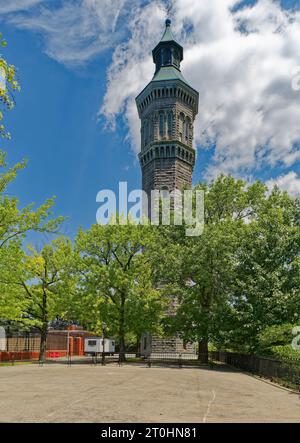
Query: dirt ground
{"type": "Point", "coordinates": [87, 393]}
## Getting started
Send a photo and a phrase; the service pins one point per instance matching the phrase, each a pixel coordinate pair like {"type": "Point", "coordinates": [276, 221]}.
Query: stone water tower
{"type": "Point", "coordinates": [167, 109]}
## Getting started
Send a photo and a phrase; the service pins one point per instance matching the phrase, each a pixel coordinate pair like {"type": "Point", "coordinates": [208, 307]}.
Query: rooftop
{"type": "Point", "coordinates": [168, 35]}
{"type": "Point", "coordinates": [168, 73]}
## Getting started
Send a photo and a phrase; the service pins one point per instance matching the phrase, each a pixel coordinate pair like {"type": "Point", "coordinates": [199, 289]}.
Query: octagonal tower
{"type": "Point", "coordinates": [167, 109]}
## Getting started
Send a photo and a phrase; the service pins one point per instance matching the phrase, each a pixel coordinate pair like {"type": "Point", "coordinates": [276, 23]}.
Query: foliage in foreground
{"type": "Point", "coordinates": [242, 274]}
{"type": "Point", "coordinates": [16, 222]}
{"type": "Point", "coordinates": [236, 287]}
{"type": "Point", "coordinates": [115, 293]}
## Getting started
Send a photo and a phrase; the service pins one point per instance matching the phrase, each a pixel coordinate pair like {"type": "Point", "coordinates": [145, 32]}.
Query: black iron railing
{"type": "Point", "coordinates": [286, 372]}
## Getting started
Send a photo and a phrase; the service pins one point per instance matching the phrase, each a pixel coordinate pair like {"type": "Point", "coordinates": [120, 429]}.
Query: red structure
{"type": "Point", "coordinates": [60, 343]}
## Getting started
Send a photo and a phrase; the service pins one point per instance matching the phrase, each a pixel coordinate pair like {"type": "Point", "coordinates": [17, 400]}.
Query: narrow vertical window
{"type": "Point", "coordinates": [187, 129]}
{"type": "Point", "coordinates": [167, 57]}
{"type": "Point", "coordinates": [146, 132]}
{"type": "Point", "coordinates": [181, 127]}
{"type": "Point", "coordinates": [170, 124]}
{"type": "Point", "coordinates": [161, 125]}
{"type": "Point", "coordinates": [143, 133]}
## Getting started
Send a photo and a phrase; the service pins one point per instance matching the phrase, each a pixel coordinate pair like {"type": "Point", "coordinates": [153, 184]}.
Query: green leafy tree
{"type": "Point", "coordinates": [276, 335]}
{"type": "Point", "coordinates": [203, 269]}
{"type": "Point", "coordinates": [40, 280]}
{"type": "Point", "coordinates": [267, 288]}
{"type": "Point", "coordinates": [146, 307]}
{"type": "Point", "coordinates": [277, 341]}
{"type": "Point", "coordinates": [115, 278]}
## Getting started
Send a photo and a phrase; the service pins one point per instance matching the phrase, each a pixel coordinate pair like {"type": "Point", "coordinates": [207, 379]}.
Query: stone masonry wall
{"type": "Point", "coordinates": [166, 173]}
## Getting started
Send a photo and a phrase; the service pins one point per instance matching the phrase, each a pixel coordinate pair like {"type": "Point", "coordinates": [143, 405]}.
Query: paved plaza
{"type": "Point", "coordinates": [87, 393]}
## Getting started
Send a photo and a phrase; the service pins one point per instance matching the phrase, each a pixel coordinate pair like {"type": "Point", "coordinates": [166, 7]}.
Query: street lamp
{"type": "Point", "coordinates": [104, 325]}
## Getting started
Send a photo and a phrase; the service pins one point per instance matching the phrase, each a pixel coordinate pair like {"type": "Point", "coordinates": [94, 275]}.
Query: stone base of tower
{"type": "Point", "coordinates": [167, 345]}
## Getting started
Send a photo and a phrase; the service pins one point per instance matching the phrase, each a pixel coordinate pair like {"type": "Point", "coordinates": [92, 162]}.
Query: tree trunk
{"type": "Point", "coordinates": [203, 351]}
{"type": "Point", "coordinates": [138, 347]}
{"type": "Point", "coordinates": [44, 329]}
{"type": "Point", "coordinates": [43, 345]}
{"type": "Point", "coordinates": [122, 357]}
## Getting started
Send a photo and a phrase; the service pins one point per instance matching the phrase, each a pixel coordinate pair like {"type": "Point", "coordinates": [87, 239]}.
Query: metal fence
{"type": "Point", "coordinates": [31, 343]}
{"type": "Point", "coordinates": [23, 343]}
{"type": "Point", "coordinates": [155, 359]}
{"type": "Point", "coordinates": [184, 359]}
{"type": "Point", "coordinates": [286, 372]}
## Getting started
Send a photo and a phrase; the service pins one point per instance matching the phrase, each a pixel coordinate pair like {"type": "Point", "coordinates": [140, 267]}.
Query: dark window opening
{"type": "Point", "coordinates": [167, 56]}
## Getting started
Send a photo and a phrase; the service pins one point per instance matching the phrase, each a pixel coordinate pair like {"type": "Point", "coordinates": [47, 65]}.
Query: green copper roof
{"type": "Point", "coordinates": [168, 35]}
{"type": "Point", "coordinates": [168, 73]}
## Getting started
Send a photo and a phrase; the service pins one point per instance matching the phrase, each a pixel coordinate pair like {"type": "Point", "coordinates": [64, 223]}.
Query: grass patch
{"type": "Point", "coordinates": [15, 363]}
{"type": "Point", "coordinates": [135, 360]}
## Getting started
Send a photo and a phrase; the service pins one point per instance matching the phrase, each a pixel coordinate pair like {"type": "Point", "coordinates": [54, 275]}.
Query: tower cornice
{"type": "Point", "coordinates": [176, 86]}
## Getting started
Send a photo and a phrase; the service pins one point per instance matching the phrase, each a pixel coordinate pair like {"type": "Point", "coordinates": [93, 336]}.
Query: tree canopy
{"type": "Point", "coordinates": [236, 286]}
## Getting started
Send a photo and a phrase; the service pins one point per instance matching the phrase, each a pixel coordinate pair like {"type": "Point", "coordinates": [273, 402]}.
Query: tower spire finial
{"type": "Point", "coordinates": [168, 23]}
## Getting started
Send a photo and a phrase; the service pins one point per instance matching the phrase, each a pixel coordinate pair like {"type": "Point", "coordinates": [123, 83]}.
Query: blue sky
{"type": "Point", "coordinates": [56, 124]}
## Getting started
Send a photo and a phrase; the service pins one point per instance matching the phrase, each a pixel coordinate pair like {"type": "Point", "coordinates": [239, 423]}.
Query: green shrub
{"type": "Point", "coordinates": [276, 336]}
{"type": "Point", "coordinates": [285, 353]}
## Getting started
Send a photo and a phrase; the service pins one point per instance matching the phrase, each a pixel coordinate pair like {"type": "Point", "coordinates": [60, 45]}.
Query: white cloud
{"type": "Point", "coordinates": [289, 182]}
{"type": "Point", "coordinates": [132, 68]}
{"type": "Point", "coordinates": [241, 63]}
{"type": "Point", "coordinates": [9, 6]}
{"type": "Point", "coordinates": [240, 60]}
{"type": "Point", "coordinates": [76, 31]}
